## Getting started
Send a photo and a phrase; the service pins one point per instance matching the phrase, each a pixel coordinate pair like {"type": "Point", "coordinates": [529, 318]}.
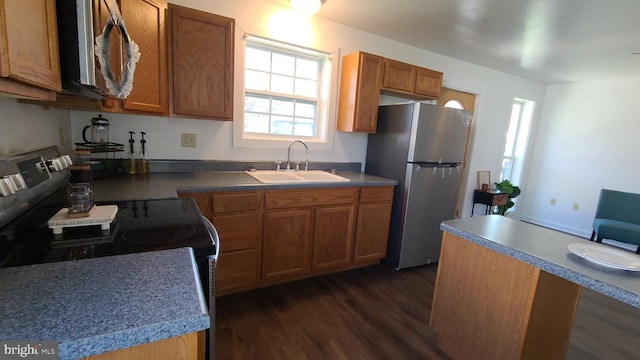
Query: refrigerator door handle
{"type": "Point", "coordinates": [435, 164]}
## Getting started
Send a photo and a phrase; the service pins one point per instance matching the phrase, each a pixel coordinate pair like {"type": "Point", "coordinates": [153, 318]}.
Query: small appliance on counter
{"type": "Point", "coordinates": [102, 151]}
{"type": "Point", "coordinates": [99, 131]}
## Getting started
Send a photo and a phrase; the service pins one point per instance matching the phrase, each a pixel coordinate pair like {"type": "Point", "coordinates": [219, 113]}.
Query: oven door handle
{"type": "Point", "coordinates": [214, 235]}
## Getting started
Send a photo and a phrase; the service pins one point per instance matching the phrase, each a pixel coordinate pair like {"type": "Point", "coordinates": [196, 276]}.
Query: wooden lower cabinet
{"type": "Point", "coordinates": [373, 232]}
{"type": "Point", "coordinates": [272, 236]}
{"type": "Point", "coordinates": [287, 243]}
{"type": "Point", "coordinates": [372, 229]}
{"type": "Point", "coordinates": [189, 346]}
{"type": "Point", "coordinates": [333, 237]}
{"type": "Point", "coordinates": [235, 217]}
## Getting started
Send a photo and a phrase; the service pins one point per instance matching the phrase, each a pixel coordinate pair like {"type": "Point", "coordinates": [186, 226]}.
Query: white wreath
{"type": "Point", "coordinates": [123, 88]}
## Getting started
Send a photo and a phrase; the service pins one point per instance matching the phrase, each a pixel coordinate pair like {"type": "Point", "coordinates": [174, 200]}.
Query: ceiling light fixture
{"type": "Point", "coordinates": [307, 7]}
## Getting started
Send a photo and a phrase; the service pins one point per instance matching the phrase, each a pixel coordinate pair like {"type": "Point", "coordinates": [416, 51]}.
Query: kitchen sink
{"type": "Point", "coordinates": [295, 177]}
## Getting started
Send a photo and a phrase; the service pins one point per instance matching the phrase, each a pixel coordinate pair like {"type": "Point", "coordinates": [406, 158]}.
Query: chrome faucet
{"type": "Point", "coordinates": [306, 161]}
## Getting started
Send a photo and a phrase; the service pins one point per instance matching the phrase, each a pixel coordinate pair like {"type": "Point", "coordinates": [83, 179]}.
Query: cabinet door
{"type": "Point", "coordinates": [145, 21]}
{"type": "Point", "coordinates": [372, 231]}
{"type": "Point", "coordinates": [360, 82]}
{"type": "Point", "coordinates": [428, 83]}
{"type": "Point", "coordinates": [201, 49]}
{"type": "Point", "coordinates": [399, 75]}
{"type": "Point", "coordinates": [286, 243]}
{"type": "Point", "coordinates": [29, 43]}
{"type": "Point", "coordinates": [333, 237]}
{"type": "Point", "coordinates": [237, 268]}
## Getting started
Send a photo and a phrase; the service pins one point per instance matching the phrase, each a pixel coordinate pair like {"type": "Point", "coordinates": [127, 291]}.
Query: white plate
{"type": "Point", "coordinates": [607, 255]}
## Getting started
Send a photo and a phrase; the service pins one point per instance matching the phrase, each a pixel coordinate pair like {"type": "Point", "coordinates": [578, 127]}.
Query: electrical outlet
{"type": "Point", "coordinates": [188, 140]}
{"type": "Point", "coordinates": [576, 206]}
{"type": "Point", "coordinates": [552, 202]}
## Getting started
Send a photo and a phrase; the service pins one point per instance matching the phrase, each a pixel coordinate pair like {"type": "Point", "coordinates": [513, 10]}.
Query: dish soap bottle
{"type": "Point", "coordinates": [143, 158]}
{"type": "Point", "coordinates": [132, 155]}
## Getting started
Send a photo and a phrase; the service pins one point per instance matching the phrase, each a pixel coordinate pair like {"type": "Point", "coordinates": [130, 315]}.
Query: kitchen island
{"type": "Point", "coordinates": [507, 289]}
{"type": "Point", "coordinates": [151, 301]}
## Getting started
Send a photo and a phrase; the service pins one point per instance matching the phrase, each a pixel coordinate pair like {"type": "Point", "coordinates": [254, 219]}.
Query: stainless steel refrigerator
{"type": "Point", "coordinates": [422, 146]}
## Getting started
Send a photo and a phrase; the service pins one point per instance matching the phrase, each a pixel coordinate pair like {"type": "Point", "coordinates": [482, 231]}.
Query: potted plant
{"type": "Point", "coordinates": [512, 191]}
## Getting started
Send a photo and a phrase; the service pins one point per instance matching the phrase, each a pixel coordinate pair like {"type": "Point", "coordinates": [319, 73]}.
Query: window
{"type": "Point", "coordinates": [516, 140]}
{"type": "Point", "coordinates": [286, 91]}
{"type": "Point", "coordinates": [454, 104]}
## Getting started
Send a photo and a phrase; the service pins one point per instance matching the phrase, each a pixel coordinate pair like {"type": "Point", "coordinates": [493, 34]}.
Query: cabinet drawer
{"type": "Point", "coordinates": [309, 197]}
{"type": "Point", "coordinates": [376, 194]}
{"type": "Point", "coordinates": [237, 232]}
{"type": "Point", "coordinates": [235, 202]}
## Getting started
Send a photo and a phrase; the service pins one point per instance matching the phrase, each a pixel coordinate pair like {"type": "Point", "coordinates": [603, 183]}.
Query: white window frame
{"type": "Point", "coordinates": [326, 109]}
{"type": "Point", "coordinates": [512, 165]}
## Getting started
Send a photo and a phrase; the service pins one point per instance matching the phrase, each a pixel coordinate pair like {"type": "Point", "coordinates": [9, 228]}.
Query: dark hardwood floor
{"type": "Point", "coordinates": [379, 313]}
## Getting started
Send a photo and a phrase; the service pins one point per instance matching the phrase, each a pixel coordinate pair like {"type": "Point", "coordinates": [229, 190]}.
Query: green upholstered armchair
{"type": "Point", "coordinates": [617, 217]}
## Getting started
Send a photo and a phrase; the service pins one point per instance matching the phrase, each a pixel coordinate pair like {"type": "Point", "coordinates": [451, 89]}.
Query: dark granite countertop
{"type": "Point", "coordinates": [548, 250]}
{"type": "Point", "coordinates": [167, 185]}
{"type": "Point", "coordinates": [97, 305]}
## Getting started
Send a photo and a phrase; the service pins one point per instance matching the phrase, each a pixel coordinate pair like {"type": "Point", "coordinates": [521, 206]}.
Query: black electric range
{"type": "Point", "coordinates": [138, 226]}
{"type": "Point", "coordinates": [37, 190]}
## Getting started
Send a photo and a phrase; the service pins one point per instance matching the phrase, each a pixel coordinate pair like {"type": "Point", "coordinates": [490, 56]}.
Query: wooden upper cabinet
{"type": "Point", "coordinates": [399, 75]}
{"type": "Point", "coordinates": [364, 76]}
{"type": "Point", "coordinates": [360, 81]}
{"type": "Point", "coordinates": [201, 52]}
{"type": "Point", "coordinates": [145, 23]}
{"type": "Point", "coordinates": [411, 80]}
{"type": "Point", "coordinates": [428, 83]}
{"type": "Point", "coordinates": [29, 60]}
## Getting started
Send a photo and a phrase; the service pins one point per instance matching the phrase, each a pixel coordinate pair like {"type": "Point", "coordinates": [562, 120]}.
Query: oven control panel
{"type": "Point", "coordinates": [31, 172]}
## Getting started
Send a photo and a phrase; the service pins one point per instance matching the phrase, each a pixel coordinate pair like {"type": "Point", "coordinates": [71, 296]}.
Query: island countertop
{"type": "Point", "coordinates": [547, 250]}
{"type": "Point", "coordinates": [96, 305]}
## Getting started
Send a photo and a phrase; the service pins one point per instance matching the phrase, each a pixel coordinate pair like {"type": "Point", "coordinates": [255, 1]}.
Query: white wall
{"type": "Point", "coordinates": [588, 139]}
{"type": "Point", "coordinates": [29, 127]}
{"type": "Point", "coordinates": [495, 91]}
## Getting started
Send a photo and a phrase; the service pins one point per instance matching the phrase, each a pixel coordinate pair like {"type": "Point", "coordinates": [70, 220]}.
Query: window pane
{"type": "Point", "coordinates": [516, 111]}
{"type": "Point", "coordinates": [282, 125]}
{"type": "Point", "coordinates": [282, 107]}
{"type": "Point", "coordinates": [282, 84]}
{"type": "Point", "coordinates": [283, 64]}
{"type": "Point", "coordinates": [255, 80]}
{"type": "Point", "coordinates": [256, 104]}
{"type": "Point", "coordinates": [257, 59]}
{"type": "Point", "coordinates": [454, 104]}
{"type": "Point", "coordinates": [306, 88]}
{"type": "Point", "coordinates": [307, 69]}
{"type": "Point", "coordinates": [305, 109]}
{"type": "Point", "coordinates": [304, 128]}
{"type": "Point", "coordinates": [256, 123]}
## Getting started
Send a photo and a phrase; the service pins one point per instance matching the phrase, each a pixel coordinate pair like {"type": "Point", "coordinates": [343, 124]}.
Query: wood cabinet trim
{"type": "Point", "coordinates": [282, 199]}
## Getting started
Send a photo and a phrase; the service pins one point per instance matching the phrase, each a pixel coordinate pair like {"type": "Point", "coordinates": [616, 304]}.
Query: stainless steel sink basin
{"type": "Point", "coordinates": [295, 177]}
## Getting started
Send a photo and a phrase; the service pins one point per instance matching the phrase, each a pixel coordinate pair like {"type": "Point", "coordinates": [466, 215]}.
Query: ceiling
{"type": "Point", "coordinates": [550, 41]}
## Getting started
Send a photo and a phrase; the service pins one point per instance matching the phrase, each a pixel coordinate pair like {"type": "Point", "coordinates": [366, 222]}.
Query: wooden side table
{"type": "Point", "coordinates": [489, 199]}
